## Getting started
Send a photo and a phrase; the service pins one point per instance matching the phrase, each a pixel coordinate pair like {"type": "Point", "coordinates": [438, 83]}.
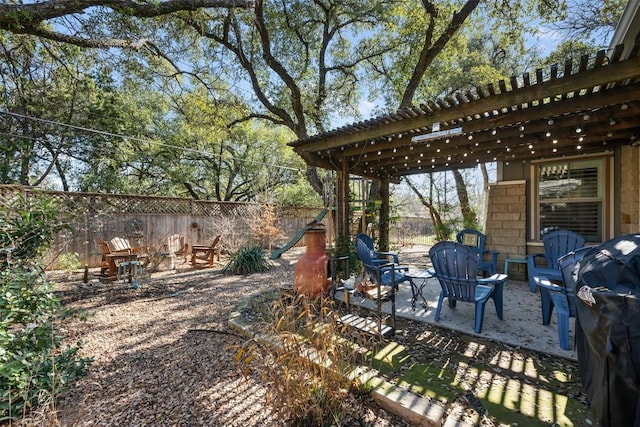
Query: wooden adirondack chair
{"type": "Point", "coordinates": [120, 244]}
{"type": "Point", "coordinates": [109, 258]}
{"type": "Point", "coordinates": [203, 256]}
{"type": "Point", "coordinates": [174, 247]}
{"type": "Point", "coordinates": [456, 268]}
{"type": "Point", "coordinates": [475, 239]}
{"type": "Point", "coordinates": [105, 250]}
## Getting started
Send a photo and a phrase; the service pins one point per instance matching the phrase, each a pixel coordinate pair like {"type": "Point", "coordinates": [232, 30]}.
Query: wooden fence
{"type": "Point", "coordinates": [149, 220]}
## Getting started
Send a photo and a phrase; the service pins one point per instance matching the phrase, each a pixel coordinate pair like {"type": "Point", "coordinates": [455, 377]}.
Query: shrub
{"type": "Point", "coordinates": [34, 365]}
{"type": "Point", "coordinates": [69, 262]}
{"type": "Point", "coordinates": [246, 261]}
{"type": "Point", "coordinates": [307, 365]}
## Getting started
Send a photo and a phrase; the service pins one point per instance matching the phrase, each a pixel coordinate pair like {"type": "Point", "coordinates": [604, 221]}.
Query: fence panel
{"type": "Point", "coordinates": [149, 220]}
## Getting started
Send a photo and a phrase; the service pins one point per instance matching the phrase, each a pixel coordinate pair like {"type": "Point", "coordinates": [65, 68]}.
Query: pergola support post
{"type": "Point", "coordinates": [383, 241]}
{"type": "Point", "coordinates": [343, 218]}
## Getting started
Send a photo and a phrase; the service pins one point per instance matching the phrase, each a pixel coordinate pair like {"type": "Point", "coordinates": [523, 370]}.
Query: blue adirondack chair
{"type": "Point", "coordinates": [563, 297]}
{"type": "Point", "coordinates": [381, 274]}
{"type": "Point", "coordinates": [375, 257]}
{"type": "Point", "coordinates": [380, 257]}
{"type": "Point", "coordinates": [556, 244]}
{"type": "Point", "coordinates": [375, 268]}
{"type": "Point", "coordinates": [475, 239]}
{"type": "Point", "coordinates": [456, 268]}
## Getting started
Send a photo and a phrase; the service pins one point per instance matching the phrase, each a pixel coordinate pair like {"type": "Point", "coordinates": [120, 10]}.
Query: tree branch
{"type": "Point", "coordinates": [32, 18]}
{"type": "Point", "coordinates": [429, 50]}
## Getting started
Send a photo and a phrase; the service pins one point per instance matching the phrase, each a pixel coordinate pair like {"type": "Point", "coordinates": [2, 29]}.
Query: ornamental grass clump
{"type": "Point", "coordinates": [306, 363]}
{"type": "Point", "coordinates": [248, 260]}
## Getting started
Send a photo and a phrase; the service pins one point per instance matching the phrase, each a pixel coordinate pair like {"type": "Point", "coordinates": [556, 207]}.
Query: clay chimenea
{"type": "Point", "coordinates": [310, 275]}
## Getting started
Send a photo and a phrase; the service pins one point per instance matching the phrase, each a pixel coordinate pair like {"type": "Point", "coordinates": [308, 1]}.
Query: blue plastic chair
{"type": "Point", "coordinates": [373, 256]}
{"type": "Point", "coordinates": [475, 239]}
{"type": "Point", "coordinates": [381, 274]}
{"type": "Point", "coordinates": [563, 297]}
{"type": "Point", "coordinates": [556, 244]}
{"type": "Point", "coordinates": [456, 268]}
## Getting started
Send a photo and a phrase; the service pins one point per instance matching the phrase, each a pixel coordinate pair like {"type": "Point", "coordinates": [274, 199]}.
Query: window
{"type": "Point", "coordinates": [572, 195]}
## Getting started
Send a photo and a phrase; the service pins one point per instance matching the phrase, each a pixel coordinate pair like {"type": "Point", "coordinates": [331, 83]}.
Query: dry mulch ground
{"type": "Point", "coordinates": [162, 353]}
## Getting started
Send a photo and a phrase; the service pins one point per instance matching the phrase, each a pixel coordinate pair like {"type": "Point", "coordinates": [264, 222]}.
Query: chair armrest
{"type": "Point", "coordinates": [493, 254]}
{"type": "Point", "coordinates": [496, 278]}
{"type": "Point", "coordinates": [390, 270]}
{"type": "Point", "coordinates": [392, 255]}
{"type": "Point", "coordinates": [543, 282]}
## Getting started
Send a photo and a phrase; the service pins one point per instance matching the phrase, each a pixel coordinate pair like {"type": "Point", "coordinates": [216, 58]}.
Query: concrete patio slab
{"type": "Point", "coordinates": [522, 325]}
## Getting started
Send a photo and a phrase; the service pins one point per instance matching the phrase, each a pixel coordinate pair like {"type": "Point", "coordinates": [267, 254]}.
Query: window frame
{"type": "Point", "coordinates": [605, 183]}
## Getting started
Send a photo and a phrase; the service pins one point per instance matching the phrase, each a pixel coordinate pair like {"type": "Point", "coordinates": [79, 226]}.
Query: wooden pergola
{"type": "Point", "coordinates": [590, 106]}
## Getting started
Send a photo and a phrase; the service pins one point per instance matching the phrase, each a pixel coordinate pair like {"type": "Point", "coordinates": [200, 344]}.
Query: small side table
{"type": "Point", "coordinates": [422, 275]}
{"type": "Point", "coordinates": [513, 260]}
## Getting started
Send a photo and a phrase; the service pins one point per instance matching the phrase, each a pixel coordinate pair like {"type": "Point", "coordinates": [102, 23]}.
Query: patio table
{"type": "Point", "coordinates": [418, 278]}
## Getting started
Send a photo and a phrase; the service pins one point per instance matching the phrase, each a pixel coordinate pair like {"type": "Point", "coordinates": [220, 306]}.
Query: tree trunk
{"type": "Point", "coordinates": [438, 226]}
{"type": "Point", "coordinates": [469, 216]}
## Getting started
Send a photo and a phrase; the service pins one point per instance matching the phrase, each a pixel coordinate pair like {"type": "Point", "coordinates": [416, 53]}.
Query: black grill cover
{"type": "Point", "coordinates": [608, 330]}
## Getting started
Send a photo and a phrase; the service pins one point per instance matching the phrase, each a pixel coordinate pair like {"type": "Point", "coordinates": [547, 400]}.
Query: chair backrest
{"type": "Point", "coordinates": [471, 238]}
{"type": "Point", "coordinates": [215, 242]}
{"type": "Point", "coordinates": [558, 243]}
{"type": "Point", "coordinates": [175, 243]}
{"type": "Point", "coordinates": [366, 239]}
{"type": "Point", "coordinates": [567, 264]}
{"type": "Point", "coordinates": [103, 246]}
{"type": "Point", "coordinates": [120, 244]}
{"type": "Point", "coordinates": [456, 268]}
{"type": "Point", "coordinates": [365, 253]}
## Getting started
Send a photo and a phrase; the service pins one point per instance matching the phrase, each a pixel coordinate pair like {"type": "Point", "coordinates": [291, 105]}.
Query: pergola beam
{"type": "Point", "coordinates": [380, 128]}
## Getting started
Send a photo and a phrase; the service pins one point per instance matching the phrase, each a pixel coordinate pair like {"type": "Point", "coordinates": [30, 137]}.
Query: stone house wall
{"type": "Point", "coordinates": [506, 224]}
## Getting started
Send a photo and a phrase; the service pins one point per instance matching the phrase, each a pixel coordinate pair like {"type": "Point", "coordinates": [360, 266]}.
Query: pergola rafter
{"type": "Point", "coordinates": [578, 108]}
{"type": "Point", "coordinates": [583, 107]}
